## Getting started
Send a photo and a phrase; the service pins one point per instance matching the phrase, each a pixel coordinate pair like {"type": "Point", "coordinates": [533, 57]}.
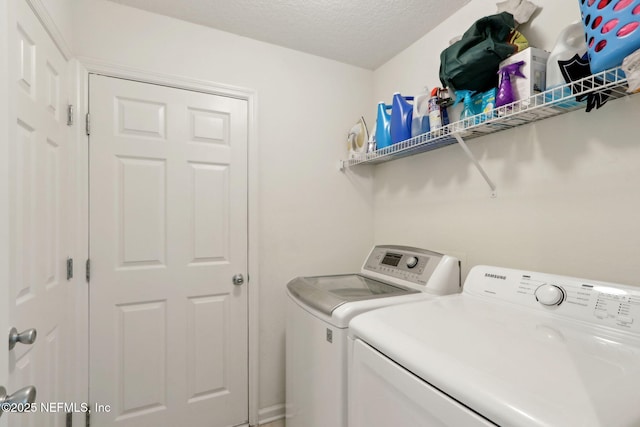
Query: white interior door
{"type": "Point", "coordinates": [168, 231]}
{"type": "Point", "coordinates": [39, 295]}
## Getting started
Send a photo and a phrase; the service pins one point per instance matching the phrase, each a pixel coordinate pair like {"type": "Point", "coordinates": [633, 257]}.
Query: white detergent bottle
{"type": "Point", "coordinates": [420, 121]}
{"type": "Point", "coordinates": [570, 42]}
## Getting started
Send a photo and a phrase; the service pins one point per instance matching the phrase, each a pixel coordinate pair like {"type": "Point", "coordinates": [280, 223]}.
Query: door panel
{"type": "Point", "coordinates": [40, 295]}
{"type": "Point", "coordinates": [383, 393]}
{"type": "Point", "coordinates": [168, 215]}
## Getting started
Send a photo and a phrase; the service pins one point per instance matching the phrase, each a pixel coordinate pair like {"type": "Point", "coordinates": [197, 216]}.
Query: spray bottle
{"type": "Point", "coordinates": [505, 91]}
{"type": "Point", "coordinates": [467, 110]}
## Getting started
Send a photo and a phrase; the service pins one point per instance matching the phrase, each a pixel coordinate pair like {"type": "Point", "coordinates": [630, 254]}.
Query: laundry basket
{"type": "Point", "coordinates": [612, 31]}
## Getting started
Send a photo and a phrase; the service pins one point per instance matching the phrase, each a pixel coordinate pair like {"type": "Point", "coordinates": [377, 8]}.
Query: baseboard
{"type": "Point", "coordinates": [271, 413]}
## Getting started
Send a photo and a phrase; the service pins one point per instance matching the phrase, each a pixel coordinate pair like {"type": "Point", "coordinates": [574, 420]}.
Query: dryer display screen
{"type": "Point", "coordinates": [391, 259]}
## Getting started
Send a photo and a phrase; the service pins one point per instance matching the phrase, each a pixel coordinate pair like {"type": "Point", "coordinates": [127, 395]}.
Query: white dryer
{"type": "Point", "coordinates": [515, 348]}
{"type": "Point", "coordinates": [318, 313]}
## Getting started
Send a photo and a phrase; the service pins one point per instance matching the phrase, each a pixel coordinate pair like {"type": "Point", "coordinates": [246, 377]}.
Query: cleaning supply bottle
{"type": "Point", "coordinates": [420, 120]}
{"type": "Point", "coordinates": [505, 91]}
{"type": "Point", "coordinates": [435, 116]}
{"type": "Point", "coordinates": [467, 109]}
{"type": "Point", "coordinates": [443, 106]}
{"type": "Point", "coordinates": [571, 41]}
{"type": "Point", "coordinates": [401, 117]}
{"type": "Point", "coordinates": [383, 126]}
{"type": "Point", "coordinates": [488, 104]}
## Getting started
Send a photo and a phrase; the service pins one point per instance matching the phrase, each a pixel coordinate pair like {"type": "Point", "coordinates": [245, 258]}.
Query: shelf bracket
{"type": "Point", "coordinates": [473, 159]}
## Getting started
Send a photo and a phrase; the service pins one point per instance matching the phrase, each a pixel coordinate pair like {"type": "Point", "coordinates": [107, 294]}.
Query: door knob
{"type": "Point", "coordinates": [24, 337]}
{"type": "Point", "coordinates": [20, 401]}
{"type": "Point", "coordinates": [238, 279]}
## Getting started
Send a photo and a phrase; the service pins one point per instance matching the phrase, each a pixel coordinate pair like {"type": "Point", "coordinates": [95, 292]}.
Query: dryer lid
{"type": "Point", "coordinates": [326, 293]}
{"type": "Point", "coordinates": [510, 364]}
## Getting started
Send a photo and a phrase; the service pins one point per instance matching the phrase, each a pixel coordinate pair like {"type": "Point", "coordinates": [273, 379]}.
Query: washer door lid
{"type": "Point", "coordinates": [326, 293]}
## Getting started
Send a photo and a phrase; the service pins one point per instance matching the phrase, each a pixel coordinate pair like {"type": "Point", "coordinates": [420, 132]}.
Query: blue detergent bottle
{"type": "Point", "coordinates": [383, 126]}
{"type": "Point", "coordinates": [401, 116]}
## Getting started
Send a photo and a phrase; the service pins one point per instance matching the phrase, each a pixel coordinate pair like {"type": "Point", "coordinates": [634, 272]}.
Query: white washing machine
{"type": "Point", "coordinates": [515, 348]}
{"type": "Point", "coordinates": [318, 313]}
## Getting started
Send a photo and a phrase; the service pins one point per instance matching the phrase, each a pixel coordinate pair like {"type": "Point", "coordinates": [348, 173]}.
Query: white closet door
{"type": "Point", "coordinates": [168, 231]}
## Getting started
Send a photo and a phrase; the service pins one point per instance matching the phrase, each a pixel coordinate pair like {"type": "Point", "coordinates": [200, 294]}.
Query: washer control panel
{"type": "Point", "coordinates": [607, 304]}
{"type": "Point", "coordinates": [399, 262]}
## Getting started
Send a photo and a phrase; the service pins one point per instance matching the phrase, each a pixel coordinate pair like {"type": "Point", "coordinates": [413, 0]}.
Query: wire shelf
{"type": "Point", "coordinates": [553, 102]}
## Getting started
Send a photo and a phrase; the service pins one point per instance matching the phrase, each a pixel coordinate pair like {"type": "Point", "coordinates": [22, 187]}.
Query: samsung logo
{"type": "Point", "coordinates": [495, 276]}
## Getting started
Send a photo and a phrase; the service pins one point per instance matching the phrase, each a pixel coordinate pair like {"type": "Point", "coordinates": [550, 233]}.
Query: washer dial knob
{"type": "Point", "coordinates": [550, 294]}
{"type": "Point", "coordinates": [412, 261]}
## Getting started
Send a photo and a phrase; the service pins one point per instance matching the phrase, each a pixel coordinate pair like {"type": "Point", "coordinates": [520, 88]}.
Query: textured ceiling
{"type": "Point", "coordinates": [366, 33]}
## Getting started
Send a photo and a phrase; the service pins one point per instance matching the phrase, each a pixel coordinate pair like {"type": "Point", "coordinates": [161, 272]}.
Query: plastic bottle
{"type": "Point", "coordinates": [467, 109]}
{"type": "Point", "coordinates": [383, 126]}
{"type": "Point", "coordinates": [571, 41]}
{"type": "Point", "coordinates": [505, 91]}
{"type": "Point", "coordinates": [420, 120]}
{"type": "Point", "coordinates": [488, 104]}
{"type": "Point", "coordinates": [435, 116]}
{"type": "Point", "coordinates": [401, 117]}
{"type": "Point", "coordinates": [444, 114]}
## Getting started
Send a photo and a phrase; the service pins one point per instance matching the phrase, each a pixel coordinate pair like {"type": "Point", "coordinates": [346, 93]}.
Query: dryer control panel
{"type": "Point", "coordinates": [606, 304]}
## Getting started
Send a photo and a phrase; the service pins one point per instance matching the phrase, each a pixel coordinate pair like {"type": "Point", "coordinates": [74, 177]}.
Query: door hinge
{"type": "Point", "coordinates": [88, 124]}
{"type": "Point", "coordinates": [69, 268]}
{"type": "Point", "coordinates": [69, 115]}
{"type": "Point", "coordinates": [88, 267]}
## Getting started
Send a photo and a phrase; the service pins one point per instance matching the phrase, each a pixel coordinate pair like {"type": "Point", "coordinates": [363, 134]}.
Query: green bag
{"type": "Point", "coordinates": [472, 62]}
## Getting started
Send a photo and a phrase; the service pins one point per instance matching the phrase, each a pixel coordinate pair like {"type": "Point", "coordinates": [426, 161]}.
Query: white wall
{"type": "Point", "coordinates": [61, 13]}
{"type": "Point", "coordinates": [567, 187]}
{"type": "Point", "coordinates": [313, 218]}
{"type": "Point", "coordinates": [56, 15]}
